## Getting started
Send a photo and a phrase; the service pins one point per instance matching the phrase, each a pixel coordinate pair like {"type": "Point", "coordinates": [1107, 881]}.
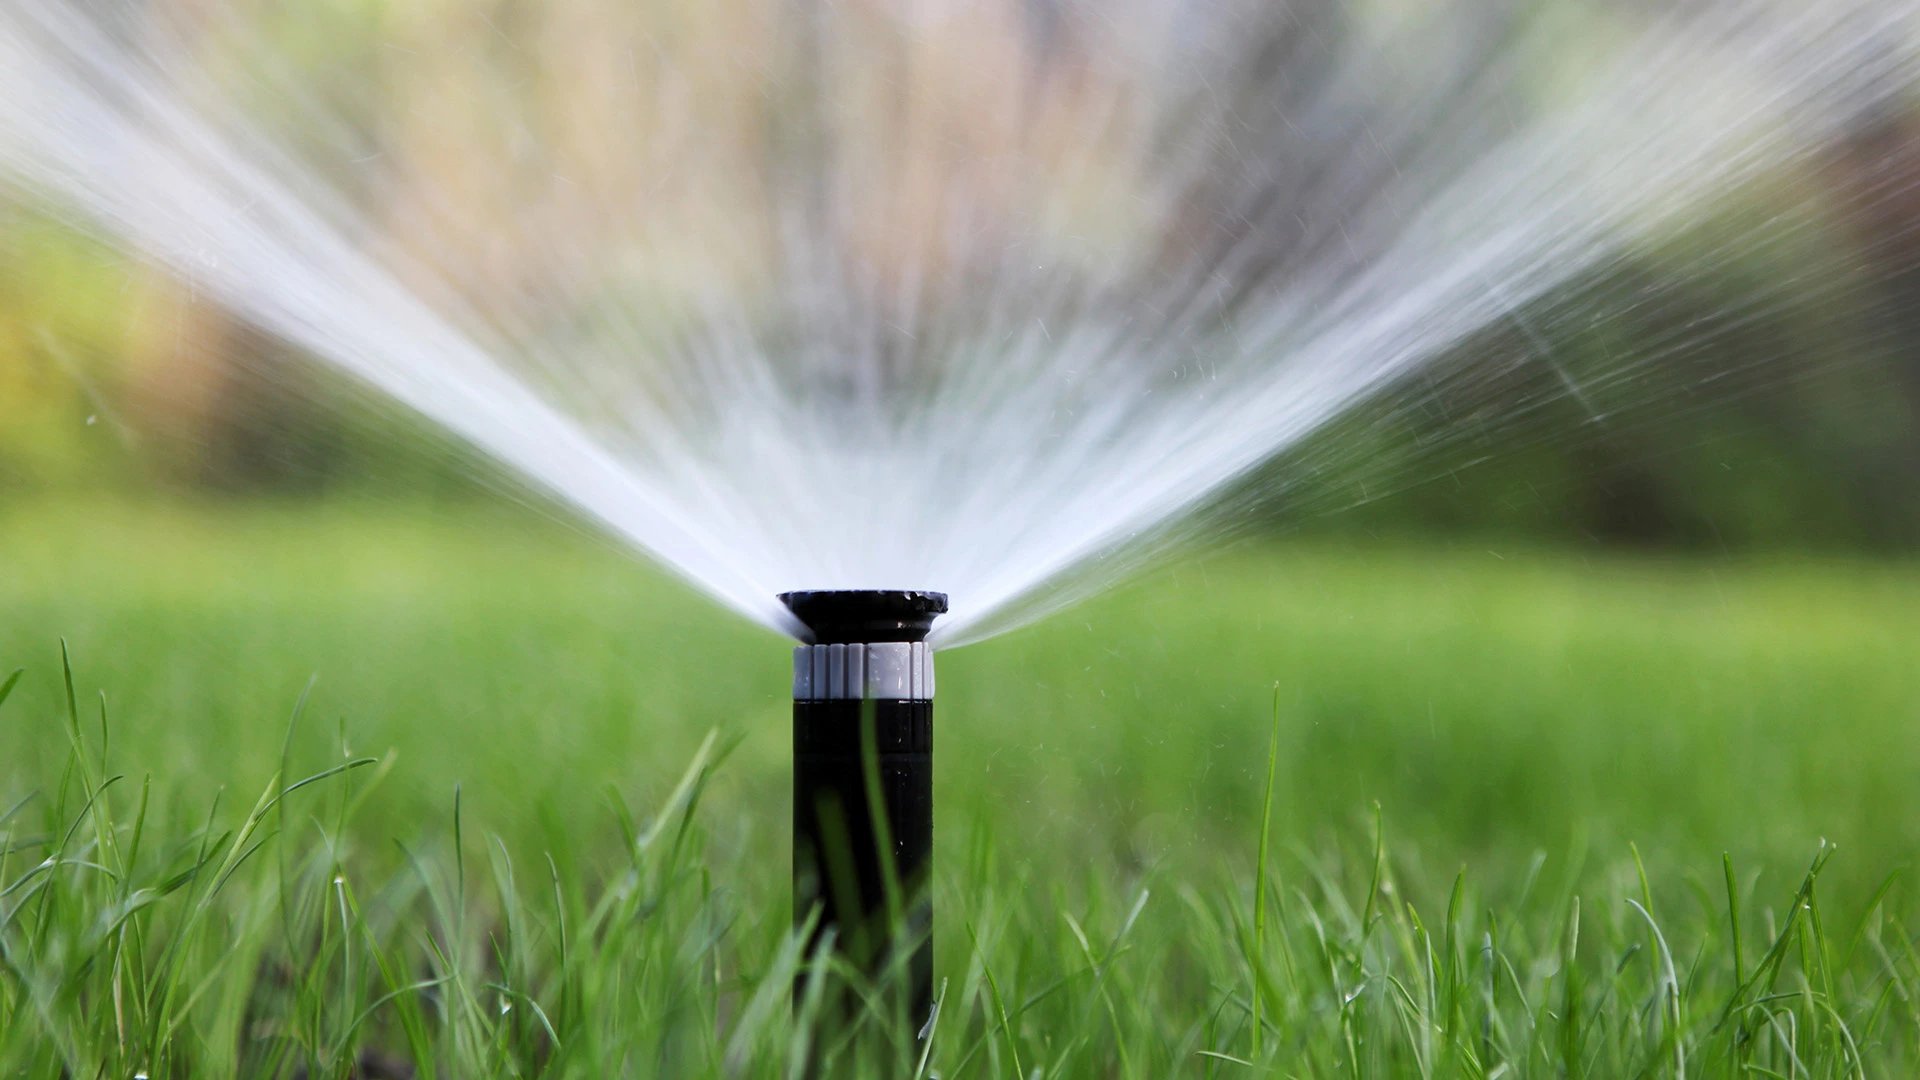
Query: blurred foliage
{"type": "Point", "coordinates": [1754, 381]}
{"type": "Point", "coordinates": [63, 329]}
{"type": "Point", "coordinates": [115, 376]}
{"type": "Point", "coordinates": [1692, 396]}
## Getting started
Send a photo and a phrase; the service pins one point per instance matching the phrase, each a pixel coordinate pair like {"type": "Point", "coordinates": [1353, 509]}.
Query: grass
{"type": "Point", "coordinates": [1530, 815]}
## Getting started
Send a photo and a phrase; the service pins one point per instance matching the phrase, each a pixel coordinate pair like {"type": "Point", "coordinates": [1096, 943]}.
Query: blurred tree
{"type": "Point", "coordinates": [1877, 179]}
{"type": "Point", "coordinates": [1738, 388]}
{"type": "Point", "coordinates": [62, 332]}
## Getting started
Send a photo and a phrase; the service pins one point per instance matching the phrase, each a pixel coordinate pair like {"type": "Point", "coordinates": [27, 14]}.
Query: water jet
{"type": "Point", "coordinates": [863, 778]}
{"type": "Point", "coordinates": [1185, 243]}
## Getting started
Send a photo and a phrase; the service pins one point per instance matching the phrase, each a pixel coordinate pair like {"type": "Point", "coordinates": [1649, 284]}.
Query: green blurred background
{"type": "Point", "coordinates": [1499, 703]}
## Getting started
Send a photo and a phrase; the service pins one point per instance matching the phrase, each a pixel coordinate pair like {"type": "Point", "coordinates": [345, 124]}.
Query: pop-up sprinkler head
{"type": "Point", "coordinates": [863, 694]}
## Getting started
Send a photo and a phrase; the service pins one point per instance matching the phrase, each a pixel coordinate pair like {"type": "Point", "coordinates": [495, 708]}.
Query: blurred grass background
{"type": "Point", "coordinates": [1496, 702]}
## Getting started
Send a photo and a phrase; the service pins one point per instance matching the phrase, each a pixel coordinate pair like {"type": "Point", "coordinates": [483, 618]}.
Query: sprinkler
{"type": "Point", "coordinates": [863, 777]}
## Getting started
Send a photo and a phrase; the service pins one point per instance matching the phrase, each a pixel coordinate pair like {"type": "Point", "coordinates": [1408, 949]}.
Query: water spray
{"type": "Point", "coordinates": [863, 778]}
{"type": "Point", "coordinates": [1219, 229]}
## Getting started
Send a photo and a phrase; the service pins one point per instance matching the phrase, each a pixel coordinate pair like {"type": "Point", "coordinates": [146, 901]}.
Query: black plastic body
{"type": "Point", "coordinates": [850, 851]}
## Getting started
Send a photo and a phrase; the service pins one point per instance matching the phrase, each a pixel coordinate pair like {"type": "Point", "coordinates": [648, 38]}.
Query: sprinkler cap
{"type": "Point", "coordinates": [866, 616]}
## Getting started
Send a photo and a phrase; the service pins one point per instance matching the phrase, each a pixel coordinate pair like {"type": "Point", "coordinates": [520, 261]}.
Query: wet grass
{"type": "Point", "coordinates": [1526, 815]}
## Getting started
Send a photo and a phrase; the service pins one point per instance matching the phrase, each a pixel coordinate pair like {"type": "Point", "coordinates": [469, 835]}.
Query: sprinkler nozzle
{"type": "Point", "coordinates": [866, 616]}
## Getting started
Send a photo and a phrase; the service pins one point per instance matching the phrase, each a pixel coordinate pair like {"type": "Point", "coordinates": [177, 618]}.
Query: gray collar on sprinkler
{"type": "Point", "coordinates": [866, 616]}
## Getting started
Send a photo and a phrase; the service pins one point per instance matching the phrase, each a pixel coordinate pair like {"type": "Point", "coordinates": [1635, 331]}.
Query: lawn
{"type": "Point", "coordinates": [1478, 753]}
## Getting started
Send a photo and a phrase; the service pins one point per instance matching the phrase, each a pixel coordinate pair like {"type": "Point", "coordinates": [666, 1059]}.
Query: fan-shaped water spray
{"type": "Point", "coordinates": [984, 298]}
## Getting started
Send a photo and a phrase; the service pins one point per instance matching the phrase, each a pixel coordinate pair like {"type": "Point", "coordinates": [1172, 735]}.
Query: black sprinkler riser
{"type": "Point", "coordinates": [849, 696]}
